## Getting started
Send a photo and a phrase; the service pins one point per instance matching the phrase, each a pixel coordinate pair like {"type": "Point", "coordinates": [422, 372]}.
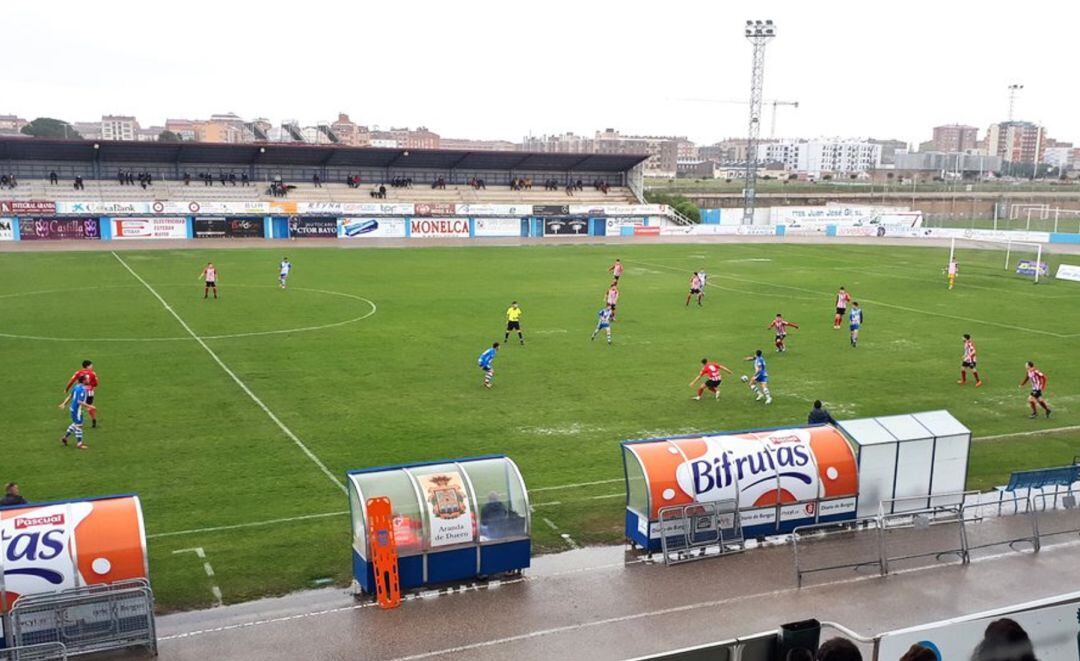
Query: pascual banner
{"type": "Point", "coordinates": [56, 229]}
{"type": "Point", "coordinates": [374, 228]}
{"type": "Point", "coordinates": [7, 229]}
{"type": "Point", "coordinates": [498, 227]}
{"type": "Point", "coordinates": [439, 227]}
{"type": "Point", "coordinates": [149, 228]}
{"type": "Point", "coordinates": [104, 208]}
{"type": "Point", "coordinates": [566, 227]}
{"type": "Point", "coordinates": [229, 228]}
{"type": "Point", "coordinates": [27, 207]}
{"type": "Point", "coordinates": [313, 228]}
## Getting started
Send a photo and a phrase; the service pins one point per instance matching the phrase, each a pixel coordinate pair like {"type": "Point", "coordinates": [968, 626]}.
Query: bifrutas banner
{"type": "Point", "coordinates": [56, 546]}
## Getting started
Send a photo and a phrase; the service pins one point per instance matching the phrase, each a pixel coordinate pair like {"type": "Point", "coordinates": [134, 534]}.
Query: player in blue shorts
{"type": "Point", "coordinates": [76, 404]}
{"type": "Point", "coordinates": [603, 323]}
{"type": "Point", "coordinates": [759, 383]}
{"type": "Point", "coordinates": [855, 320]}
{"type": "Point", "coordinates": [485, 363]}
{"type": "Point", "coordinates": [285, 268]}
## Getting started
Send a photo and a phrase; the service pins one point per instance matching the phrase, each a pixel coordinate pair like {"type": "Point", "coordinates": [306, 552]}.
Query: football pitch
{"type": "Point", "coordinates": [236, 419]}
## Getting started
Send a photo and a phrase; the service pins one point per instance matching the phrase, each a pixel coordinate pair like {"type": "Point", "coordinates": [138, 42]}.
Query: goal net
{"type": "Point", "coordinates": [992, 257]}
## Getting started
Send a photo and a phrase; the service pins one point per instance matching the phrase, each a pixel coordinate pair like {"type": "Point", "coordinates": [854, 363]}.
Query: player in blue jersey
{"type": "Point", "coordinates": [76, 404]}
{"type": "Point", "coordinates": [603, 323]}
{"type": "Point", "coordinates": [286, 266]}
{"type": "Point", "coordinates": [485, 363]}
{"type": "Point", "coordinates": [759, 383]}
{"type": "Point", "coordinates": [855, 320]}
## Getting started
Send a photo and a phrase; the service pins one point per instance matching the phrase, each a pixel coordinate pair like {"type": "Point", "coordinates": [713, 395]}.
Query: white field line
{"type": "Point", "coordinates": [1034, 432]}
{"type": "Point", "coordinates": [214, 589]}
{"type": "Point", "coordinates": [870, 300]}
{"type": "Point", "coordinates": [576, 484]}
{"type": "Point", "coordinates": [252, 524]}
{"type": "Point", "coordinates": [692, 607]}
{"type": "Point", "coordinates": [565, 536]}
{"type": "Point", "coordinates": [243, 386]}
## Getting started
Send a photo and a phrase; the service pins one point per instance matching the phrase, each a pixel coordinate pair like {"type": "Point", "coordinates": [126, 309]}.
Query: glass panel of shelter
{"type": "Point", "coordinates": [409, 530]}
{"type": "Point", "coordinates": [501, 498]}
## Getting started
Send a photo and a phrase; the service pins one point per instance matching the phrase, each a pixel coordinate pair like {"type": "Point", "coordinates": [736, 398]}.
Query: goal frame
{"type": "Point", "coordinates": [1008, 243]}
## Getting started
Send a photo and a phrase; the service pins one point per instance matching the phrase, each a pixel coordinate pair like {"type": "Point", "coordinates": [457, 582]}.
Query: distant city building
{"type": "Point", "coordinates": [11, 124]}
{"type": "Point", "coordinates": [889, 148]}
{"type": "Point", "coordinates": [350, 133]}
{"type": "Point", "coordinates": [822, 156]}
{"type": "Point", "coordinates": [695, 169]}
{"type": "Point", "coordinates": [1063, 158]}
{"type": "Point", "coordinates": [559, 144]}
{"type": "Point", "coordinates": [953, 138]}
{"type": "Point", "coordinates": [465, 144]}
{"type": "Point", "coordinates": [1016, 142]}
{"type": "Point", "coordinates": [118, 127]}
{"type": "Point", "coordinates": [88, 130]}
{"type": "Point", "coordinates": [948, 162]}
{"type": "Point", "coordinates": [185, 128]}
{"type": "Point", "coordinates": [149, 134]}
{"type": "Point", "coordinates": [663, 151]}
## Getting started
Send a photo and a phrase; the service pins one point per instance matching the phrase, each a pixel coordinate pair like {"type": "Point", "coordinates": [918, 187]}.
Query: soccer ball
{"type": "Point", "coordinates": [744, 378]}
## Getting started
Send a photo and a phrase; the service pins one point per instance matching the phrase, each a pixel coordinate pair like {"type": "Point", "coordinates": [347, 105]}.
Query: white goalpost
{"type": "Point", "coordinates": [1009, 247]}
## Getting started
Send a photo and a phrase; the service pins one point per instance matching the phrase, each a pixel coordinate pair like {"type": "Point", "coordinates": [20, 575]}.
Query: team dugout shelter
{"type": "Point", "coordinates": [452, 520]}
{"type": "Point", "coordinates": [37, 158]}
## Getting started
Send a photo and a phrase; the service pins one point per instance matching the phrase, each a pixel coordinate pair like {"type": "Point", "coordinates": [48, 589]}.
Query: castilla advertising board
{"type": "Point", "coordinates": [439, 227]}
{"type": "Point", "coordinates": [780, 478]}
{"type": "Point", "coordinates": [149, 228]}
{"type": "Point", "coordinates": [56, 546]}
{"type": "Point", "coordinates": [58, 229]}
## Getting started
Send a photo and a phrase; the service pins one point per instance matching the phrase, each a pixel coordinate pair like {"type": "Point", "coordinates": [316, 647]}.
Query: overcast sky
{"type": "Point", "coordinates": [481, 69]}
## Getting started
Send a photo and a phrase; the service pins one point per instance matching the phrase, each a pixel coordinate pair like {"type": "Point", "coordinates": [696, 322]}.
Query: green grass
{"type": "Point", "coordinates": [401, 385]}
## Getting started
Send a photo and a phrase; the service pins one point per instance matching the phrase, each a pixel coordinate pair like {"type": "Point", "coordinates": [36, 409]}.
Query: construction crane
{"type": "Point", "coordinates": [774, 103]}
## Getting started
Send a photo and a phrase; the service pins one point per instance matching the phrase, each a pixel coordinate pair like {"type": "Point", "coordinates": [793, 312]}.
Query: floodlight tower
{"type": "Point", "coordinates": [758, 33]}
{"type": "Point", "coordinates": [1014, 89]}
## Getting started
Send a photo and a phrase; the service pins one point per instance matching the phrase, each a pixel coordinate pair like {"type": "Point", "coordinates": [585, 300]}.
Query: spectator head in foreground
{"type": "Point", "coordinates": [919, 653]}
{"type": "Point", "coordinates": [1004, 640]}
{"type": "Point", "coordinates": [838, 649]}
{"type": "Point", "coordinates": [799, 654]}
{"type": "Point", "coordinates": [12, 495]}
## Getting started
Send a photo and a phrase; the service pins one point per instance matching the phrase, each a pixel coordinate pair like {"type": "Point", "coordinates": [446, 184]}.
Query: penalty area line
{"type": "Point", "coordinates": [243, 386]}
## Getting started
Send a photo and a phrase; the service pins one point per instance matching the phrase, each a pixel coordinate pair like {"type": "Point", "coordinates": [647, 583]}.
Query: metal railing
{"type": "Point", "coordinates": [933, 532]}
{"type": "Point", "coordinates": [42, 652]}
{"type": "Point", "coordinates": [1057, 513]}
{"type": "Point", "coordinates": [699, 530]}
{"type": "Point", "coordinates": [1021, 526]}
{"type": "Point", "coordinates": [87, 619]}
{"type": "Point", "coordinates": [824, 547]}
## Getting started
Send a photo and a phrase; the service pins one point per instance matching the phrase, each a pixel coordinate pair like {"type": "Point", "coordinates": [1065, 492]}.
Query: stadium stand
{"type": "Point", "coordinates": [98, 163]}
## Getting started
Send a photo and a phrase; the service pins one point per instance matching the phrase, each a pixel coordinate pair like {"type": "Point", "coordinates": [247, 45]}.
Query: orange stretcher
{"type": "Point", "coordinates": [384, 555]}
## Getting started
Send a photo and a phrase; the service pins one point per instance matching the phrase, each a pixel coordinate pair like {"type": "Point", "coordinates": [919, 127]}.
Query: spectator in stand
{"type": "Point", "coordinates": [142, 180]}
{"type": "Point", "coordinates": [120, 177]}
{"type": "Point", "coordinates": [78, 184]}
{"type": "Point", "coordinates": [316, 181]}
{"type": "Point", "coordinates": [1004, 640]}
{"type": "Point", "coordinates": [149, 178]}
{"type": "Point", "coordinates": [232, 179]}
{"type": "Point", "coordinates": [130, 178]}
{"type": "Point", "coordinates": [919, 653]}
{"type": "Point", "coordinates": [838, 649]}
{"type": "Point", "coordinates": [223, 177]}
{"type": "Point", "coordinates": [570, 189]}
{"type": "Point", "coordinates": [819, 415]}
{"type": "Point", "coordinates": [382, 192]}
{"type": "Point", "coordinates": [3, 181]}
{"type": "Point", "coordinates": [53, 179]}
{"type": "Point", "coordinates": [187, 179]}
{"type": "Point", "coordinates": [244, 179]}
{"type": "Point", "coordinates": [12, 496]}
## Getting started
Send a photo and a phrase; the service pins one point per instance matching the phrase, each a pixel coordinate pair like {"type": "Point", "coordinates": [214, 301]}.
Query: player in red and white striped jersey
{"type": "Point", "coordinates": [780, 325]}
{"type": "Point", "coordinates": [1038, 389]}
{"type": "Point", "coordinates": [842, 300]}
{"type": "Point", "coordinates": [970, 362]}
{"type": "Point", "coordinates": [713, 377]}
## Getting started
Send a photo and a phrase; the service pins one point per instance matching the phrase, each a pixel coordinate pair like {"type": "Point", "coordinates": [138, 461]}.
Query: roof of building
{"type": "Point", "coordinates": [41, 149]}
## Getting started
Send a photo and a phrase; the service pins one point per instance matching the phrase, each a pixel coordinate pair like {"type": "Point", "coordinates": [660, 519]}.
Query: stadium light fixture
{"type": "Point", "coordinates": [262, 150]}
{"type": "Point", "coordinates": [405, 153]}
{"type": "Point", "coordinates": [758, 33]}
{"type": "Point", "coordinates": [97, 146]}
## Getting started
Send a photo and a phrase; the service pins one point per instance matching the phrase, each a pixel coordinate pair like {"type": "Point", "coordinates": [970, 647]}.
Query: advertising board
{"type": "Point", "coordinates": [58, 229]}
{"type": "Point", "coordinates": [494, 209]}
{"type": "Point", "coordinates": [439, 227]}
{"type": "Point", "coordinates": [566, 227]}
{"type": "Point", "coordinates": [433, 209]}
{"type": "Point", "coordinates": [497, 227]}
{"type": "Point", "coordinates": [152, 227]}
{"type": "Point", "coordinates": [448, 509]}
{"type": "Point", "coordinates": [27, 207]}
{"type": "Point", "coordinates": [1031, 267]}
{"type": "Point", "coordinates": [1064, 272]}
{"type": "Point", "coordinates": [229, 228]}
{"type": "Point", "coordinates": [56, 546]}
{"type": "Point", "coordinates": [104, 208]}
{"type": "Point", "coordinates": [210, 208]}
{"type": "Point", "coordinates": [373, 228]}
{"type": "Point", "coordinates": [7, 229]}
{"type": "Point", "coordinates": [550, 209]}
{"type": "Point", "coordinates": [313, 228]}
